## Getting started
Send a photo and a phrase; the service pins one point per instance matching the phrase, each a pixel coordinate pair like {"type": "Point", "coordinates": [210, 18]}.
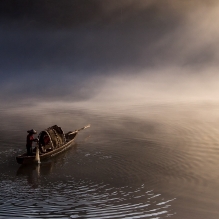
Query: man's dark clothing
{"type": "Point", "coordinates": [30, 140]}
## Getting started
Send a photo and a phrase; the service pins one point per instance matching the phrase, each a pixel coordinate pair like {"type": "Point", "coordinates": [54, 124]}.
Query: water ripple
{"type": "Point", "coordinates": [81, 200]}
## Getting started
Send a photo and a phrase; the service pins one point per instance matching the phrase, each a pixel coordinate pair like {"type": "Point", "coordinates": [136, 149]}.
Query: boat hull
{"type": "Point", "coordinates": [24, 159]}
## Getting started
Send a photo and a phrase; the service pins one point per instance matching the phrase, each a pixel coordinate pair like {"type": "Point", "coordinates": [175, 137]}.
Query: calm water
{"type": "Point", "coordinates": [144, 161]}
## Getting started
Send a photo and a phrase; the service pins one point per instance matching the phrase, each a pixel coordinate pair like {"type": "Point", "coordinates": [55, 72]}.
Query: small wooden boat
{"type": "Point", "coordinates": [52, 141]}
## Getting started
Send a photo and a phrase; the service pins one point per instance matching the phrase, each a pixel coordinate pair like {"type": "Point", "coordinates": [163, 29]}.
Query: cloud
{"type": "Point", "coordinates": [104, 36]}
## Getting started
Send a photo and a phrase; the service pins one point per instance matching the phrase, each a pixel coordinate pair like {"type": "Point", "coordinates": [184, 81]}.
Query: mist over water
{"type": "Point", "coordinates": [69, 54]}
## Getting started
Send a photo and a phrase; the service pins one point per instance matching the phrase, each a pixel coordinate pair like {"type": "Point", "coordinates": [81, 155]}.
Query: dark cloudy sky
{"type": "Point", "coordinates": [76, 48]}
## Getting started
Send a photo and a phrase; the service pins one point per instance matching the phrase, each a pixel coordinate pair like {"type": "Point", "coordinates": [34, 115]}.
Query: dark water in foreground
{"type": "Point", "coordinates": [147, 161]}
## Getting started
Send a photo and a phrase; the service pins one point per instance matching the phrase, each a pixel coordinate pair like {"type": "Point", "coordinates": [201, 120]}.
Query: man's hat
{"type": "Point", "coordinates": [32, 131]}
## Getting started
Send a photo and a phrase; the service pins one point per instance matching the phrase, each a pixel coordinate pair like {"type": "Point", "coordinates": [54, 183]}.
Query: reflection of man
{"type": "Point", "coordinates": [30, 140]}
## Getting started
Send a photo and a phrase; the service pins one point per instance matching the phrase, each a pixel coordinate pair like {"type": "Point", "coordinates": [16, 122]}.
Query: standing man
{"type": "Point", "coordinates": [30, 140]}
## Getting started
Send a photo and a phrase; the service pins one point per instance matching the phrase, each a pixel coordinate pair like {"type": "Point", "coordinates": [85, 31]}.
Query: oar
{"type": "Point", "coordinates": [87, 126]}
{"type": "Point", "coordinates": [37, 157]}
{"type": "Point", "coordinates": [71, 133]}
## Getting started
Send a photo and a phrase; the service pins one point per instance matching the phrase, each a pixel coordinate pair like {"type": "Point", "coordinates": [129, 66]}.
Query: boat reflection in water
{"type": "Point", "coordinates": [34, 172]}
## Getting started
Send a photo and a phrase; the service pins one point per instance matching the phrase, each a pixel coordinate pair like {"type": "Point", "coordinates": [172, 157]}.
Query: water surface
{"type": "Point", "coordinates": [144, 161]}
